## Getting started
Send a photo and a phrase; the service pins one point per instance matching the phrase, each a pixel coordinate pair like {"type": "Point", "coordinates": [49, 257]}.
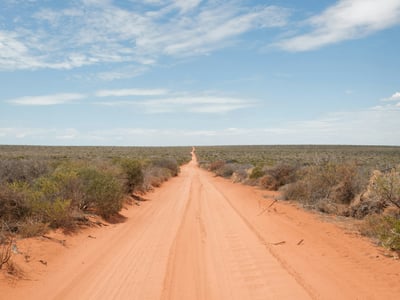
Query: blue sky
{"type": "Point", "coordinates": [198, 72]}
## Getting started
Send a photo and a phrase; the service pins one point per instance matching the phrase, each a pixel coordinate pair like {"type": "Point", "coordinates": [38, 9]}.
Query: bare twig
{"type": "Point", "coordinates": [269, 206]}
{"type": "Point", "coordinates": [5, 251]}
{"type": "Point", "coordinates": [300, 242]}
{"type": "Point", "coordinates": [62, 242]}
{"type": "Point", "coordinates": [279, 243]}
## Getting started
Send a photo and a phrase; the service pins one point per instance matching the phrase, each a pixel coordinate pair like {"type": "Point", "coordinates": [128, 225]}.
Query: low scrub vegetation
{"type": "Point", "coordinates": [354, 181]}
{"type": "Point", "coordinates": [57, 187]}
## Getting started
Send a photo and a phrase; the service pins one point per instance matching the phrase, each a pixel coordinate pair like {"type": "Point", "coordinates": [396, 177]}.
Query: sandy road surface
{"type": "Point", "coordinates": [201, 237]}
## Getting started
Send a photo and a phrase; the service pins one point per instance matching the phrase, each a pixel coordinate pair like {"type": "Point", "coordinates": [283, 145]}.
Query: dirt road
{"type": "Point", "coordinates": [201, 237]}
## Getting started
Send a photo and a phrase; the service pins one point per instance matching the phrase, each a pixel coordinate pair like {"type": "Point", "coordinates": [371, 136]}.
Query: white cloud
{"type": "Point", "coordinates": [186, 5]}
{"type": "Point", "coordinates": [120, 73]}
{"type": "Point", "coordinates": [98, 31]}
{"type": "Point", "coordinates": [346, 20]}
{"type": "Point", "coordinates": [187, 103]}
{"type": "Point", "coordinates": [131, 92]}
{"type": "Point", "coordinates": [68, 134]}
{"type": "Point", "coordinates": [394, 97]}
{"type": "Point", "coordinates": [14, 54]}
{"type": "Point", "coordinates": [363, 127]}
{"type": "Point", "coordinates": [46, 99]}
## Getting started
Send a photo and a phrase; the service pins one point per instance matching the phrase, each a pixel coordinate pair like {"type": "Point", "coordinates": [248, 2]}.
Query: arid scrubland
{"type": "Point", "coordinates": [59, 187]}
{"type": "Point", "coordinates": [353, 181]}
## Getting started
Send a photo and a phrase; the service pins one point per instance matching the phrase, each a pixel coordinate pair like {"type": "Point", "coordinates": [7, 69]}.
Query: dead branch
{"type": "Point", "coordinates": [279, 243]}
{"type": "Point", "coordinates": [5, 251]}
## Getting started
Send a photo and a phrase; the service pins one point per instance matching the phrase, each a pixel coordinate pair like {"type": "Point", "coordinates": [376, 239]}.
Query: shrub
{"type": "Point", "coordinates": [13, 205]}
{"type": "Point", "coordinates": [167, 163]}
{"type": "Point", "coordinates": [101, 192]}
{"type": "Point", "coordinates": [385, 228]}
{"type": "Point", "coordinates": [13, 170]}
{"type": "Point", "coordinates": [227, 170]}
{"type": "Point", "coordinates": [214, 166]}
{"type": "Point", "coordinates": [55, 213]}
{"type": "Point", "coordinates": [155, 176]}
{"type": "Point", "coordinates": [269, 182]}
{"type": "Point", "coordinates": [298, 190]}
{"type": "Point", "coordinates": [282, 174]}
{"type": "Point", "coordinates": [366, 207]}
{"type": "Point", "coordinates": [256, 173]}
{"type": "Point", "coordinates": [338, 183]}
{"type": "Point", "coordinates": [240, 175]}
{"type": "Point", "coordinates": [32, 227]}
{"type": "Point", "coordinates": [387, 187]}
{"type": "Point", "coordinates": [133, 174]}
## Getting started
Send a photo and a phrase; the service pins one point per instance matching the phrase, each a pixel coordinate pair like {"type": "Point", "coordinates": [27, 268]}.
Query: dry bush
{"type": "Point", "coordinates": [13, 206]}
{"type": "Point", "coordinates": [227, 170]}
{"type": "Point", "coordinates": [298, 190]}
{"type": "Point", "coordinates": [154, 177]}
{"type": "Point", "coordinates": [269, 182]}
{"type": "Point", "coordinates": [216, 165]}
{"type": "Point", "coordinates": [366, 207]}
{"type": "Point", "coordinates": [27, 170]}
{"type": "Point", "coordinates": [386, 187]}
{"type": "Point", "coordinates": [282, 173]}
{"type": "Point", "coordinates": [277, 176]}
{"type": "Point", "coordinates": [32, 227]}
{"type": "Point", "coordinates": [385, 228]}
{"type": "Point", "coordinates": [6, 242]}
{"type": "Point", "coordinates": [169, 164]}
{"type": "Point", "coordinates": [335, 182]}
{"type": "Point", "coordinates": [240, 175]}
{"type": "Point", "coordinates": [383, 191]}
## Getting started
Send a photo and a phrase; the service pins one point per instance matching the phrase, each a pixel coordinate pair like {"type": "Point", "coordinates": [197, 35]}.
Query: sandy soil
{"type": "Point", "coordinates": [202, 237]}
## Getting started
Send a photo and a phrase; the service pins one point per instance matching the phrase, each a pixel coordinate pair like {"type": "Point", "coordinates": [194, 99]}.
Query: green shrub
{"type": "Point", "coordinates": [101, 192]}
{"type": "Point", "coordinates": [133, 174]}
{"type": "Point", "coordinates": [55, 213]}
{"type": "Point", "coordinates": [256, 173]}
{"type": "Point", "coordinates": [385, 228]}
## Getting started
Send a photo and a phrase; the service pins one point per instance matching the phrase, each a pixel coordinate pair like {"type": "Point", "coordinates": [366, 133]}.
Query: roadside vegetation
{"type": "Point", "coordinates": [362, 182]}
{"type": "Point", "coordinates": [42, 188]}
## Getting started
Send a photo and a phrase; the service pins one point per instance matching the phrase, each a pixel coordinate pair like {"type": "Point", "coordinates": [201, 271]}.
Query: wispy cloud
{"type": "Point", "coordinates": [346, 20]}
{"type": "Point", "coordinates": [89, 32]}
{"type": "Point", "coordinates": [376, 125]}
{"type": "Point", "coordinates": [46, 99]}
{"type": "Point", "coordinates": [187, 103]}
{"type": "Point", "coordinates": [131, 92]}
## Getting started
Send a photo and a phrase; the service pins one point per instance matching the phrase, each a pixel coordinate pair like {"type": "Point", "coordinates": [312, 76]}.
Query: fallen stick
{"type": "Point", "coordinates": [265, 209]}
{"type": "Point", "coordinates": [300, 242]}
{"type": "Point", "coordinates": [279, 243]}
{"type": "Point", "coordinates": [62, 242]}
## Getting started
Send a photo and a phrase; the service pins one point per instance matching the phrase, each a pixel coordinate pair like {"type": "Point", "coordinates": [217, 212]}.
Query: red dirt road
{"type": "Point", "coordinates": [202, 237]}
